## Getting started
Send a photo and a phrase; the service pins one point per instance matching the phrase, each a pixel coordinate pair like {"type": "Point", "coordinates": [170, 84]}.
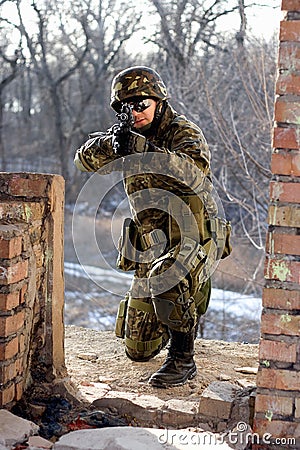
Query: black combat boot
{"type": "Point", "coordinates": [179, 367]}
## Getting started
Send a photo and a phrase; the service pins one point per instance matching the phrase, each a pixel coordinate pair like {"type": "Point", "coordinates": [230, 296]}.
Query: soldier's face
{"type": "Point", "coordinates": [143, 118]}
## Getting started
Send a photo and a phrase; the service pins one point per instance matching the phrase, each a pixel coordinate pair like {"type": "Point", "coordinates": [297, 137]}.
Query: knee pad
{"type": "Point", "coordinates": [164, 308]}
{"type": "Point", "coordinates": [178, 314]}
{"type": "Point", "coordinates": [144, 335]}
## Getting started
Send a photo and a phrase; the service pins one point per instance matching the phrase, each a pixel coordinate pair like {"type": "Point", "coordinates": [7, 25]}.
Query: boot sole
{"type": "Point", "coordinates": [163, 384]}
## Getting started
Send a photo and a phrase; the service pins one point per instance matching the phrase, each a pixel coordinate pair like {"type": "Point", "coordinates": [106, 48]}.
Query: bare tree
{"type": "Point", "coordinates": [42, 54]}
{"type": "Point", "coordinates": [71, 50]}
{"type": "Point", "coordinates": [189, 26]}
{"type": "Point", "coordinates": [9, 74]}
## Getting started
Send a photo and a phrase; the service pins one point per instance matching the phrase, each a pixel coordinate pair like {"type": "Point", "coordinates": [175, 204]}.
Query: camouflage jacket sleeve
{"type": "Point", "coordinates": [189, 142]}
{"type": "Point", "coordinates": [189, 155]}
{"type": "Point", "coordinates": [95, 153]}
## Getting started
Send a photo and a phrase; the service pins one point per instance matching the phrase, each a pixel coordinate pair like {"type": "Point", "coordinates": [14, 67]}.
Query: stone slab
{"type": "Point", "coordinates": [129, 438]}
{"type": "Point", "coordinates": [149, 410]}
{"type": "Point", "coordinates": [142, 409]}
{"type": "Point", "coordinates": [14, 429]}
{"type": "Point", "coordinates": [217, 400]}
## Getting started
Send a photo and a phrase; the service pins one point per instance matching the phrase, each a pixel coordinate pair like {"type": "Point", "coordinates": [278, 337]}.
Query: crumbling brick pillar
{"type": "Point", "coordinates": [31, 284]}
{"type": "Point", "coordinates": [277, 406]}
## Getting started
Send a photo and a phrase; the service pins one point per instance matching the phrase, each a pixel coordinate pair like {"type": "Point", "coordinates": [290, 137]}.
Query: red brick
{"type": "Point", "coordinates": [9, 248]}
{"type": "Point", "coordinates": [9, 349]}
{"type": "Point", "coordinates": [275, 404]}
{"type": "Point", "coordinates": [7, 395]}
{"type": "Point", "coordinates": [280, 269]}
{"type": "Point", "coordinates": [23, 294]}
{"type": "Point", "coordinates": [27, 186]}
{"type": "Point", "coordinates": [287, 163]}
{"type": "Point", "coordinates": [287, 111]}
{"type": "Point", "coordinates": [290, 5]}
{"type": "Point", "coordinates": [19, 387]}
{"type": "Point", "coordinates": [284, 216]}
{"type": "Point", "coordinates": [283, 244]}
{"type": "Point", "coordinates": [288, 83]}
{"type": "Point", "coordinates": [13, 274]}
{"type": "Point", "coordinates": [285, 192]}
{"type": "Point", "coordinates": [286, 138]}
{"type": "Point", "coordinates": [289, 56]}
{"type": "Point", "coordinates": [7, 373]}
{"type": "Point", "coordinates": [9, 301]}
{"type": "Point", "coordinates": [277, 351]}
{"type": "Point", "coordinates": [277, 324]}
{"type": "Point", "coordinates": [285, 380]}
{"type": "Point", "coordinates": [21, 211]}
{"type": "Point", "coordinates": [277, 429]}
{"type": "Point", "coordinates": [281, 299]}
{"type": "Point", "coordinates": [289, 31]}
{"type": "Point", "coordinates": [39, 256]}
{"type": "Point", "coordinates": [19, 364]}
{"type": "Point", "coordinates": [11, 324]}
{"type": "Point", "coordinates": [21, 344]}
{"type": "Point", "coordinates": [297, 408]}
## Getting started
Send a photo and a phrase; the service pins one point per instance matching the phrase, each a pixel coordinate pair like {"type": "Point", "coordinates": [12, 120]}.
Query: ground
{"type": "Point", "coordinates": [98, 356]}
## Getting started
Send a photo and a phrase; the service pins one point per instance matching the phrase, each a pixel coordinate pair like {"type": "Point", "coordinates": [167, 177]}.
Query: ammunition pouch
{"type": "Point", "coordinates": [202, 297]}
{"type": "Point", "coordinates": [199, 223]}
{"type": "Point", "coordinates": [128, 246]}
{"type": "Point", "coordinates": [121, 317]}
{"type": "Point", "coordinates": [190, 254]}
{"type": "Point", "coordinates": [220, 231]}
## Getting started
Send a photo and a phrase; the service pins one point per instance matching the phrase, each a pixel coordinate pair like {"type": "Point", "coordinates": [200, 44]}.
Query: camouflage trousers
{"type": "Point", "coordinates": [159, 300]}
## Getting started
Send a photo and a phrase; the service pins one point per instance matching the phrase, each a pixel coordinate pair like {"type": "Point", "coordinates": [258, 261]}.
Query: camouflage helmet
{"type": "Point", "coordinates": [138, 81]}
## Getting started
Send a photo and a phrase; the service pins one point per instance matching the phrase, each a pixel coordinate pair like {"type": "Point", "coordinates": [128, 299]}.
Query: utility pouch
{"type": "Point", "coordinates": [202, 297]}
{"type": "Point", "coordinates": [129, 244]}
{"type": "Point", "coordinates": [121, 317]}
{"type": "Point", "coordinates": [220, 231]}
{"type": "Point", "coordinates": [227, 248]}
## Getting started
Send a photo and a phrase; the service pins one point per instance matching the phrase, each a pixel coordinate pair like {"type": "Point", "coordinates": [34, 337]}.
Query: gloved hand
{"type": "Point", "coordinates": [95, 152]}
{"type": "Point", "coordinates": [120, 140]}
{"type": "Point", "coordinates": [129, 142]}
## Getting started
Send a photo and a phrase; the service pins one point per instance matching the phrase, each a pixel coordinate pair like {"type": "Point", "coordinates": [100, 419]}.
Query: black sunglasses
{"type": "Point", "coordinates": [139, 105]}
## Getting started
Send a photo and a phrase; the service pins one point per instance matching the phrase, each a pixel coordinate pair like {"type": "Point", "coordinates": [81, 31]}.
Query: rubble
{"type": "Point", "coordinates": [15, 430]}
{"type": "Point", "coordinates": [123, 420]}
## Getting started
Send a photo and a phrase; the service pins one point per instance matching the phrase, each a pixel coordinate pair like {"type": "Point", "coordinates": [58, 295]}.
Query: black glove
{"type": "Point", "coordinates": [129, 143]}
{"type": "Point", "coordinates": [121, 140]}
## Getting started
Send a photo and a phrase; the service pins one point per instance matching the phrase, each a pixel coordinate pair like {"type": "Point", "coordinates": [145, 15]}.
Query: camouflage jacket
{"type": "Point", "coordinates": [178, 164]}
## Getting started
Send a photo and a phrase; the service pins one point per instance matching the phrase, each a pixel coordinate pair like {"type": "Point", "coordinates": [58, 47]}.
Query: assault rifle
{"type": "Point", "coordinates": [122, 130]}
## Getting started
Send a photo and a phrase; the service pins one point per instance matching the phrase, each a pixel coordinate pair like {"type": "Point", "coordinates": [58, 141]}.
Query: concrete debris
{"type": "Point", "coordinates": [39, 442]}
{"type": "Point", "coordinates": [247, 370]}
{"type": "Point", "coordinates": [217, 399]}
{"type": "Point", "coordinates": [129, 438]}
{"type": "Point", "coordinates": [15, 430]}
{"type": "Point", "coordinates": [88, 356]}
{"type": "Point", "coordinates": [224, 377]}
{"type": "Point", "coordinates": [126, 420]}
{"type": "Point", "coordinates": [93, 391]}
{"type": "Point", "coordinates": [244, 383]}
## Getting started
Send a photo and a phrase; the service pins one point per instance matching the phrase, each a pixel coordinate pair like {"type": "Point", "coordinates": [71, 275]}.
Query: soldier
{"type": "Point", "coordinates": [171, 290]}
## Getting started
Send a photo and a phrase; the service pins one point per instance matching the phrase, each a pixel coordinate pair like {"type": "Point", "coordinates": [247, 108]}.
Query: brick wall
{"type": "Point", "coordinates": [31, 283]}
{"type": "Point", "coordinates": [277, 406]}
